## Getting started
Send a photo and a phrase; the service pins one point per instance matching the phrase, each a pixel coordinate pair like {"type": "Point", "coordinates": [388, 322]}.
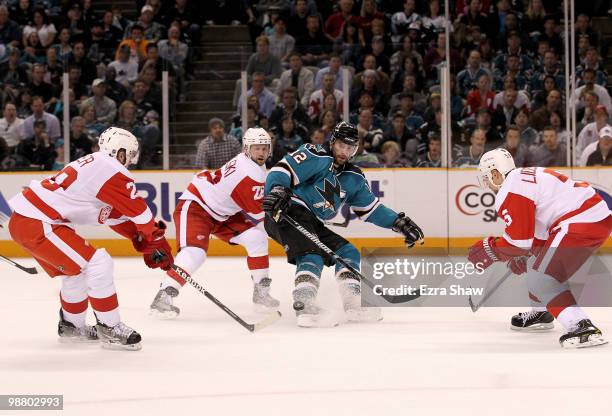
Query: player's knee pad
{"type": "Point", "coordinates": [190, 258]}
{"type": "Point", "coordinates": [99, 274]}
{"type": "Point", "coordinates": [254, 240]}
{"type": "Point", "coordinates": [349, 254]}
{"type": "Point", "coordinates": [544, 287]}
{"type": "Point", "coordinates": [309, 264]}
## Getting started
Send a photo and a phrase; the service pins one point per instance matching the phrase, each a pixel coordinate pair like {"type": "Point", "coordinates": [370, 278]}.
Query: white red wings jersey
{"type": "Point", "coordinates": [236, 186]}
{"type": "Point", "coordinates": [95, 190]}
{"type": "Point", "coordinates": [534, 201]}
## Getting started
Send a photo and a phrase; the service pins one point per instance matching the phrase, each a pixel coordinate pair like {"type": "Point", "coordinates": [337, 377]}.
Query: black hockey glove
{"type": "Point", "coordinates": [276, 201]}
{"type": "Point", "coordinates": [404, 225]}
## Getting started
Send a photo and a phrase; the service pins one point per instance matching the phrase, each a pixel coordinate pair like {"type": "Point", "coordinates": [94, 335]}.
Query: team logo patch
{"type": "Point", "coordinates": [104, 214]}
{"type": "Point", "coordinates": [329, 193]}
{"type": "Point", "coordinates": [200, 237]}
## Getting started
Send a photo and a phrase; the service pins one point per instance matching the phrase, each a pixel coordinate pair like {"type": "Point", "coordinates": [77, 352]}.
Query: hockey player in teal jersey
{"type": "Point", "coordinates": [311, 185]}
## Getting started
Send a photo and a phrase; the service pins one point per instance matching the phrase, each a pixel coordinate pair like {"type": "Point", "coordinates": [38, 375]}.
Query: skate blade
{"type": "Point", "coordinates": [121, 347]}
{"type": "Point", "coordinates": [360, 317]}
{"type": "Point", "coordinates": [593, 341]}
{"type": "Point", "coordinates": [263, 309]}
{"type": "Point", "coordinates": [75, 340]}
{"type": "Point", "coordinates": [163, 315]}
{"type": "Point", "coordinates": [534, 328]}
{"type": "Point", "coordinates": [316, 321]}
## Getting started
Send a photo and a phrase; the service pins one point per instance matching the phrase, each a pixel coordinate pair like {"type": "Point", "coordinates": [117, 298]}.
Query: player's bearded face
{"type": "Point", "coordinates": [259, 153]}
{"type": "Point", "coordinates": [343, 152]}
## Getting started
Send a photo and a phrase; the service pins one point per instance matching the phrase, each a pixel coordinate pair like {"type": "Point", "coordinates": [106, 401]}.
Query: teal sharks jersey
{"type": "Point", "coordinates": [322, 188]}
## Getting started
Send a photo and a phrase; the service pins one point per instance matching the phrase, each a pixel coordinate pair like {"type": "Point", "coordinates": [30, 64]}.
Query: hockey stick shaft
{"type": "Point", "coordinates": [490, 293]}
{"type": "Point", "coordinates": [312, 237]}
{"type": "Point", "coordinates": [250, 327]}
{"type": "Point", "coordinates": [30, 270]}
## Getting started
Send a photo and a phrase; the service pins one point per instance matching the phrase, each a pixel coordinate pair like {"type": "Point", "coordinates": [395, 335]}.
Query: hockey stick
{"type": "Point", "coordinates": [30, 270]}
{"type": "Point", "coordinates": [269, 320]}
{"type": "Point", "coordinates": [313, 237]}
{"type": "Point", "coordinates": [496, 286]}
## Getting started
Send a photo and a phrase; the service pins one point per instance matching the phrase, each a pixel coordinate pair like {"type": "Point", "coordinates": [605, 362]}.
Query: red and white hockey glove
{"type": "Point", "coordinates": [156, 251]}
{"type": "Point", "coordinates": [483, 252]}
{"type": "Point", "coordinates": [518, 265]}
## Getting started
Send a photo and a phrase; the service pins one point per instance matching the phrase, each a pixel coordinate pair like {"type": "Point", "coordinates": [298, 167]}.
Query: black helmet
{"type": "Point", "coordinates": [345, 132]}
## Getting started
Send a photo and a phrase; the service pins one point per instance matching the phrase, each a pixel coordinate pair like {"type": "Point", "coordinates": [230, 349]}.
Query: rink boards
{"type": "Point", "coordinates": [447, 203]}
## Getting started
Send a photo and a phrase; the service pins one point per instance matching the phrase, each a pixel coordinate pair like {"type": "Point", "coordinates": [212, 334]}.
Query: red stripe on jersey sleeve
{"type": "Point", "coordinates": [518, 212]}
{"type": "Point", "coordinates": [248, 195]}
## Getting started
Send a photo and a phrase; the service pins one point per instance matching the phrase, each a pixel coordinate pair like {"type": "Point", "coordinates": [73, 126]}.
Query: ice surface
{"type": "Point", "coordinates": [420, 361]}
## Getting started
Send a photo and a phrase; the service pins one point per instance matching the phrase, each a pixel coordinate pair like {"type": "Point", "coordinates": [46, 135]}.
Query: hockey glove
{"type": "Point", "coordinates": [276, 201]}
{"type": "Point", "coordinates": [483, 252]}
{"type": "Point", "coordinates": [156, 251]}
{"type": "Point", "coordinates": [404, 225]}
{"type": "Point", "coordinates": [518, 265]}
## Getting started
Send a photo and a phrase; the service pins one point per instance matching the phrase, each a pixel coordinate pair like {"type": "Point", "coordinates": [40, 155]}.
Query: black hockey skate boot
{"type": "Point", "coordinates": [532, 321]}
{"type": "Point", "coordinates": [69, 333]}
{"type": "Point", "coordinates": [585, 334]}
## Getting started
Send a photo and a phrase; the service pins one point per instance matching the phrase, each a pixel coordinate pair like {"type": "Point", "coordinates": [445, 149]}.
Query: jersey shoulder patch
{"type": "Point", "coordinates": [321, 150]}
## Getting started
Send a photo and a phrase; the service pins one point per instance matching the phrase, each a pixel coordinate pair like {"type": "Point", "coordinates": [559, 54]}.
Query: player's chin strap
{"type": "Point", "coordinates": [315, 239]}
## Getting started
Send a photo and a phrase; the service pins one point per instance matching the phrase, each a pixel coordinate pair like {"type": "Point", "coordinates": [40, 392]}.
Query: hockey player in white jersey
{"type": "Point", "coordinates": [96, 189]}
{"type": "Point", "coordinates": [555, 222]}
{"type": "Point", "coordinates": [225, 203]}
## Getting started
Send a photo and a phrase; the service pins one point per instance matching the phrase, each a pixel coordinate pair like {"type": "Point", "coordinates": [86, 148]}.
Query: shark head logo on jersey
{"type": "Point", "coordinates": [329, 193]}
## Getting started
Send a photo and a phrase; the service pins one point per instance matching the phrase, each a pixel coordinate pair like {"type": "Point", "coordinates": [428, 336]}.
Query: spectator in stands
{"type": "Point", "coordinates": [369, 85]}
{"type": "Point", "coordinates": [484, 122]}
{"type": "Point", "coordinates": [334, 23]}
{"type": "Point", "coordinates": [406, 107]}
{"type": "Point", "coordinates": [401, 21]}
{"type": "Point", "coordinates": [365, 127]}
{"type": "Point", "coordinates": [474, 17]}
{"type": "Point", "coordinates": [433, 157]}
{"type": "Point", "coordinates": [437, 54]}
{"type": "Point", "coordinates": [583, 27]}
{"type": "Point", "coordinates": [281, 44]}
{"type": "Point", "coordinates": [589, 78]}
{"type": "Point", "coordinates": [433, 20]}
{"type": "Point", "coordinates": [12, 74]}
{"type": "Point", "coordinates": [151, 30]}
{"type": "Point", "coordinates": [21, 12]}
{"type": "Point", "coordinates": [37, 150]}
{"type": "Point", "coordinates": [11, 127]}
{"type": "Point", "coordinates": [317, 137]}
{"type": "Point", "coordinates": [504, 114]}
{"type": "Point", "coordinates": [138, 96]}
{"type": "Point", "coordinates": [314, 46]}
{"type": "Point", "coordinates": [533, 20]}
{"type": "Point", "coordinates": [114, 90]}
{"type": "Point", "coordinates": [348, 46]}
{"type": "Point", "coordinates": [399, 133]}
{"type": "Point", "coordinates": [298, 77]}
{"type": "Point", "coordinates": [10, 32]}
{"type": "Point", "coordinates": [112, 33]}
{"type": "Point", "coordinates": [482, 97]}
{"type": "Point", "coordinates": [550, 153]}
{"type": "Point", "coordinates": [24, 103]}
{"type": "Point", "coordinates": [264, 96]}
{"type": "Point", "coordinates": [88, 15]}
{"type": "Point", "coordinates": [33, 51]}
{"type": "Point", "coordinates": [296, 25]}
{"type": "Point", "coordinates": [75, 83]}
{"type": "Point", "coordinates": [287, 137]}
{"type": "Point", "coordinates": [551, 35]}
{"type": "Point", "coordinates": [586, 114]}
{"type": "Point", "coordinates": [264, 62]}
{"type": "Point", "coordinates": [290, 106]}
{"type": "Point", "coordinates": [539, 97]}
{"type": "Point", "coordinates": [540, 118]}
{"type": "Point", "coordinates": [317, 97]}
{"type": "Point", "coordinates": [363, 158]}
{"type": "Point", "coordinates": [252, 121]}
{"type": "Point", "coordinates": [334, 67]}
{"type": "Point", "coordinates": [185, 13]}
{"type": "Point", "coordinates": [382, 83]}
{"type": "Point", "coordinates": [158, 62]}
{"type": "Point", "coordinates": [136, 43]}
{"type": "Point", "coordinates": [118, 19]}
{"type": "Point", "coordinates": [470, 157]}
{"type": "Point", "coordinates": [126, 70]}
{"type": "Point", "coordinates": [592, 61]}
{"type": "Point", "coordinates": [106, 109]}
{"type": "Point", "coordinates": [529, 136]}
{"type": "Point", "coordinates": [512, 143]}
{"type": "Point", "coordinates": [327, 121]}
{"type": "Point", "coordinates": [435, 104]}
{"type": "Point", "coordinates": [513, 71]}
{"type": "Point", "coordinates": [154, 94]}
{"type": "Point", "coordinates": [513, 48]}
{"type": "Point", "coordinates": [94, 128]}
{"type": "Point", "coordinates": [602, 153]}
{"type": "Point", "coordinates": [551, 69]}
{"type": "Point", "coordinates": [55, 69]}
{"type": "Point", "coordinates": [557, 122]}
{"type": "Point", "coordinates": [217, 148]}
{"type": "Point", "coordinates": [391, 156]}
{"type": "Point", "coordinates": [79, 58]}
{"type": "Point", "coordinates": [80, 143]}
{"type": "Point", "coordinates": [75, 21]}
{"type": "Point", "coordinates": [378, 51]}
{"type": "Point", "coordinates": [52, 126]}
{"type": "Point", "coordinates": [467, 78]}
{"type": "Point", "coordinates": [39, 87]}
{"type": "Point", "coordinates": [42, 27]}
{"type": "Point", "coordinates": [590, 133]}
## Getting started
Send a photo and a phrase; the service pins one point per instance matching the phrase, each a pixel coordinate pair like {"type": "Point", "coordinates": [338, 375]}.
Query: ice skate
{"type": "Point", "coordinates": [162, 306]}
{"type": "Point", "coordinates": [118, 337]}
{"type": "Point", "coordinates": [584, 334]}
{"type": "Point", "coordinates": [350, 292]}
{"type": "Point", "coordinates": [69, 333]}
{"type": "Point", "coordinates": [532, 321]}
{"type": "Point", "coordinates": [262, 300]}
{"type": "Point", "coordinates": [308, 314]}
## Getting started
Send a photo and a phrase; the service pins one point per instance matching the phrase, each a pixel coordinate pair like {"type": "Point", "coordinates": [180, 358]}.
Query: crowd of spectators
{"type": "Point", "coordinates": [507, 79]}
{"type": "Point", "coordinates": [114, 66]}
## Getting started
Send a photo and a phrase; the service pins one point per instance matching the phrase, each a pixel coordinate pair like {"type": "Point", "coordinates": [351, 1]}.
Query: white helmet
{"type": "Point", "coordinates": [114, 139]}
{"type": "Point", "coordinates": [499, 159]}
{"type": "Point", "coordinates": [255, 135]}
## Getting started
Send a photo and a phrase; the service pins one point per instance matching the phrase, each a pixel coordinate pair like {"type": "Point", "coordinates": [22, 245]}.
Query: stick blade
{"type": "Point", "coordinates": [474, 307]}
{"type": "Point", "coordinates": [267, 321]}
{"type": "Point", "coordinates": [401, 298]}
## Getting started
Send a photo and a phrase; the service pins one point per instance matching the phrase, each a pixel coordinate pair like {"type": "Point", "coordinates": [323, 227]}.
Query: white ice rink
{"type": "Point", "coordinates": [445, 361]}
